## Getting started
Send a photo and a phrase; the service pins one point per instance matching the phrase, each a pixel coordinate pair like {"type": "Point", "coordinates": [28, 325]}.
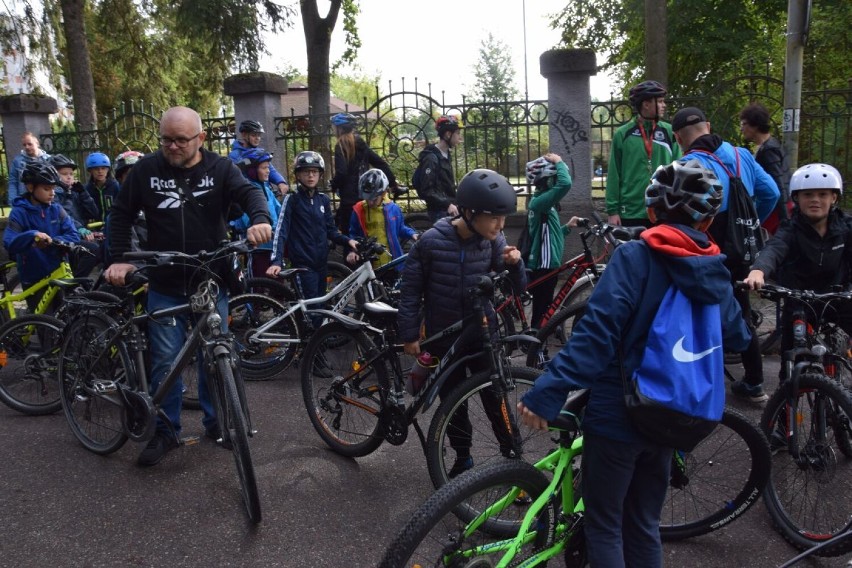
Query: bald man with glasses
{"type": "Point", "coordinates": [185, 192]}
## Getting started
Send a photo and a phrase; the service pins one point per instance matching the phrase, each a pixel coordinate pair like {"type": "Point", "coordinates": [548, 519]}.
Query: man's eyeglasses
{"type": "Point", "coordinates": [165, 141]}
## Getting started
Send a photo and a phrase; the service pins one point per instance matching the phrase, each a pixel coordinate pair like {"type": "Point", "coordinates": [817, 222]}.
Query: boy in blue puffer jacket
{"type": "Point", "coordinates": [445, 262]}
{"type": "Point", "coordinates": [33, 224]}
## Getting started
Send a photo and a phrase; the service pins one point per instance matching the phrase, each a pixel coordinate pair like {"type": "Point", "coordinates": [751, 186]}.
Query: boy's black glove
{"type": "Point", "coordinates": [78, 187]}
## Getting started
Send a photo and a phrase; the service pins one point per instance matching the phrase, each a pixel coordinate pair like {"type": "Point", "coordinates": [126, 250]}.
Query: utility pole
{"type": "Point", "coordinates": [798, 16]}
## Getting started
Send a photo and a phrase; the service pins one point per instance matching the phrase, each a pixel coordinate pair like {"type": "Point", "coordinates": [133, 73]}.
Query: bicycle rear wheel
{"type": "Point", "coordinates": [554, 335]}
{"type": "Point", "coordinates": [234, 424]}
{"type": "Point", "coordinates": [262, 356]}
{"type": "Point", "coordinates": [810, 499]}
{"type": "Point", "coordinates": [89, 390]}
{"type": "Point", "coordinates": [436, 536]}
{"type": "Point", "coordinates": [486, 413]}
{"type": "Point", "coordinates": [717, 481]}
{"type": "Point", "coordinates": [343, 397]}
{"type": "Point", "coordinates": [29, 355]}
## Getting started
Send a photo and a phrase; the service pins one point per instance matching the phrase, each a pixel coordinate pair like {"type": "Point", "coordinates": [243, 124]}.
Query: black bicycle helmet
{"type": "Point", "coordinates": [683, 189]}
{"type": "Point", "coordinates": [644, 91]}
{"type": "Point", "coordinates": [62, 161]}
{"type": "Point", "coordinates": [309, 159]}
{"type": "Point", "coordinates": [40, 173]}
{"type": "Point", "coordinates": [251, 127]}
{"type": "Point", "coordinates": [446, 123]}
{"type": "Point", "coordinates": [486, 191]}
{"type": "Point", "coordinates": [372, 183]}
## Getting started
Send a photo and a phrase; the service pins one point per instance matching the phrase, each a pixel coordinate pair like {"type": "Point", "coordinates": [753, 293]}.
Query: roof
{"type": "Point", "coordinates": [297, 100]}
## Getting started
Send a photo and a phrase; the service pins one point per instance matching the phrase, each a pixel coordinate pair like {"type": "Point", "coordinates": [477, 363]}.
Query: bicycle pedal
{"type": "Point", "coordinates": [104, 387]}
{"type": "Point", "coordinates": [190, 440]}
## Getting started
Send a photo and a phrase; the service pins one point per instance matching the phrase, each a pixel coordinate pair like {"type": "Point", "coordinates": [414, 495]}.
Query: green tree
{"type": "Point", "coordinates": [494, 73]}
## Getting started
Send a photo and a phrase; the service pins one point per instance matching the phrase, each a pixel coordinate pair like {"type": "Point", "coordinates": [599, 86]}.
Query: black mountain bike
{"type": "Point", "coordinates": [104, 385]}
{"type": "Point", "coordinates": [353, 384]}
{"type": "Point", "coordinates": [807, 420]}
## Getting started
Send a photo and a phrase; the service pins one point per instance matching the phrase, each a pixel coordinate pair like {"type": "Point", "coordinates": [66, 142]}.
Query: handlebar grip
{"type": "Point", "coordinates": [138, 255]}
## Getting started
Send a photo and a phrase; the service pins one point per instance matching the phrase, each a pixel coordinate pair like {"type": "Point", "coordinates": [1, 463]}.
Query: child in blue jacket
{"type": "Point", "coordinates": [35, 221]}
{"type": "Point", "coordinates": [625, 475]}
{"type": "Point", "coordinates": [255, 165]}
{"type": "Point", "coordinates": [305, 225]}
{"type": "Point", "coordinates": [377, 216]}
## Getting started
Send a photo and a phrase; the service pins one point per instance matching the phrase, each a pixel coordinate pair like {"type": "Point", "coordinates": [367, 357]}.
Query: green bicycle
{"type": "Point", "coordinates": [510, 513]}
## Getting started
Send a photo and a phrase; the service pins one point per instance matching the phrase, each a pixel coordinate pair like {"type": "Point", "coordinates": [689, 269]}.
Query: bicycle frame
{"type": "Point", "coordinates": [8, 298]}
{"type": "Point", "coordinates": [558, 463]}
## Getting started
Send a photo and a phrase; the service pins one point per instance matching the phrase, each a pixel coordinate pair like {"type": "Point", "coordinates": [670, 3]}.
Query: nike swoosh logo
{"type": "Point", "coordinates": [683, 356]}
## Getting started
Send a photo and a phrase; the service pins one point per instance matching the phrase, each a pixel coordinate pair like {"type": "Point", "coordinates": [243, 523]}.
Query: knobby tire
{"type": "Point", "coordinates": [29, 356]}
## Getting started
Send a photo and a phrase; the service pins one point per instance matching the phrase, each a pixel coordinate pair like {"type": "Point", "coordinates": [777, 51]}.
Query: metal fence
{"type": "Point", "coordinates": [500, 135]}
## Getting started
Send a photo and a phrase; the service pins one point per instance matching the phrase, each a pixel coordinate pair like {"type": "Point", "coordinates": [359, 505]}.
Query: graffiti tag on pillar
{"type": "Point", "coordinates": [569, 129]}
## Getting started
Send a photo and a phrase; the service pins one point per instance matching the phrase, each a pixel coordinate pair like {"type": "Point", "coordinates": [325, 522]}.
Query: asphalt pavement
{"type": "Point", "coordinates": [61, 505]}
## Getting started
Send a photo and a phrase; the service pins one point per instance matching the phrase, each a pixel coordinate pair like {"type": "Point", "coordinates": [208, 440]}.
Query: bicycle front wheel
{"type": "Point", "coordinates": [262, 355]}
{"type": "Point", "coordinates": [29, 356]}
{"type": "Point", "coordinates": [91, 372]}
{"type": "Point", "coordinates": [554, 334]}
{"type": "Point", "coordinates": [476, 418]}
{"type": "Point", "coordinates": [436, 536]}
{"type": "Point", "coordinates": [342, 394]}
{"type": "Point", "coordinates": [808, 497]}
{"type": "Point", "coordinates": [717, 481]}
{"type": "Point", "coordinates": [234, 424]}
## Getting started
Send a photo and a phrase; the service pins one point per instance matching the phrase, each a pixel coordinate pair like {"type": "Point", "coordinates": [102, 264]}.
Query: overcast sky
{"type": "Point", "coordinates": [438, 41]}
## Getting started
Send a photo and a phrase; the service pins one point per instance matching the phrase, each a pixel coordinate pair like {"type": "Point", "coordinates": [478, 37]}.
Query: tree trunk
{"type": "Point", "coordinates": [82, 84]}
{"type": "Point", "coordinates": [318, 44]}
{"type": "Point", "coordinates": [656, 63]}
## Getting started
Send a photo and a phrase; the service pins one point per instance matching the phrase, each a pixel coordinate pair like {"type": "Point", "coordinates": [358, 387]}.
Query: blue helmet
{"type": "Point", "coordinates": [251, 159]}
{"type": "Point", "coordinates": [97, 160]}
{"type": "Point", "coordinates": [344, 120]}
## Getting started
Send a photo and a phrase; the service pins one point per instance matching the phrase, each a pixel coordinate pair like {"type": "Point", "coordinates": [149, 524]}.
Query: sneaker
{"type": "Point", "coordinates": [214, 433]}
{"type": "Point", "coordinates": [461, 466]}
{"type": "Point", "coordinates": [161, 444]}
{"type": "Point", "coordinates": [754, 393]}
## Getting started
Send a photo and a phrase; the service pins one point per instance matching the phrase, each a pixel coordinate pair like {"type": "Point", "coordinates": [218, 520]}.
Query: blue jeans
{"type": "Point", "coordinates": [166, 337]}
{"type": "Point", "coordinates": [624, 487]}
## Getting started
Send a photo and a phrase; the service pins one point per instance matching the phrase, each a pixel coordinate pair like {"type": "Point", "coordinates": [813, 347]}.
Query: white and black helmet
{"type": "Point", "coordinates": [539, 170]}
{"type": "Point", "coordinates": [683, 188]}
{"type": "Point", "coordinates": [816, 176]}
{"type": "Point", "coordinates": [372, 183]}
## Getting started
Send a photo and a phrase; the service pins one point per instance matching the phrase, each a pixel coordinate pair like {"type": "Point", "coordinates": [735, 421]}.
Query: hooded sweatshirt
{"type": "Point", "coordinates": [619, 315]}
{"type": "Point", "coordinates": [176, 221]}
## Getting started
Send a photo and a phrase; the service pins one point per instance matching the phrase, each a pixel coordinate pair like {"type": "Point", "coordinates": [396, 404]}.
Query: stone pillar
{"type": "Point", "coordinates": [569, 109]}
{"type": "Point", "coordinates": [24, 113]}
{"type": "Point", "coordinates": [257, 96]}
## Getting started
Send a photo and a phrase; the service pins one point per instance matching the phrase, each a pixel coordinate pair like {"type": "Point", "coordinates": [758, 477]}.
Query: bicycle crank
{"type": "Point", "coordinates": [140, 416]}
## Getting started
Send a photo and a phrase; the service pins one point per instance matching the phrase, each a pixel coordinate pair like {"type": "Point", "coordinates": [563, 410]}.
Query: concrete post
{"type": "Point", "coordinates": [569, 102]}
{"type": "Point", "coordinates": [257, 96]}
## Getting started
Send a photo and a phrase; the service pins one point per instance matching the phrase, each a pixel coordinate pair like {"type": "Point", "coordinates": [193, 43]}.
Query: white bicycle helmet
{"type": "Point", "coordinates": [816, 176]}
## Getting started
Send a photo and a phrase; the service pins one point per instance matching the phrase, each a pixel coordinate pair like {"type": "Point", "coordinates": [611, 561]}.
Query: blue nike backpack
{"type": "Point", "coordinates": [676, 396]}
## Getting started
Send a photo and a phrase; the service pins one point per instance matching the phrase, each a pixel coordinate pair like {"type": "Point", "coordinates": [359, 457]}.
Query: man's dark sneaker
{"type": "Point", "coordinates": [754, 393]}
{"type": "Point", "coordinates": [461, 466]}
{"type": "Point", "coordinates": [215, 434]}
{"type": "Point", "coordinates": [161, 444]}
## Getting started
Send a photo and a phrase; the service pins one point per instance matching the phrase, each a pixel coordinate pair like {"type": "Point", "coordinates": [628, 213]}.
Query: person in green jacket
{"type": "Point", "coordinates": [552, 181]}
{"type": "Point", "coordinates": [638, 148]}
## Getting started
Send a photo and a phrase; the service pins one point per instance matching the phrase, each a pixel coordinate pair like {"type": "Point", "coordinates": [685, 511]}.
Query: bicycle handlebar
{"type": "Point", "coordinates": [775, 293]}
{"type": "Point", "coordinates": [166, 257]}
